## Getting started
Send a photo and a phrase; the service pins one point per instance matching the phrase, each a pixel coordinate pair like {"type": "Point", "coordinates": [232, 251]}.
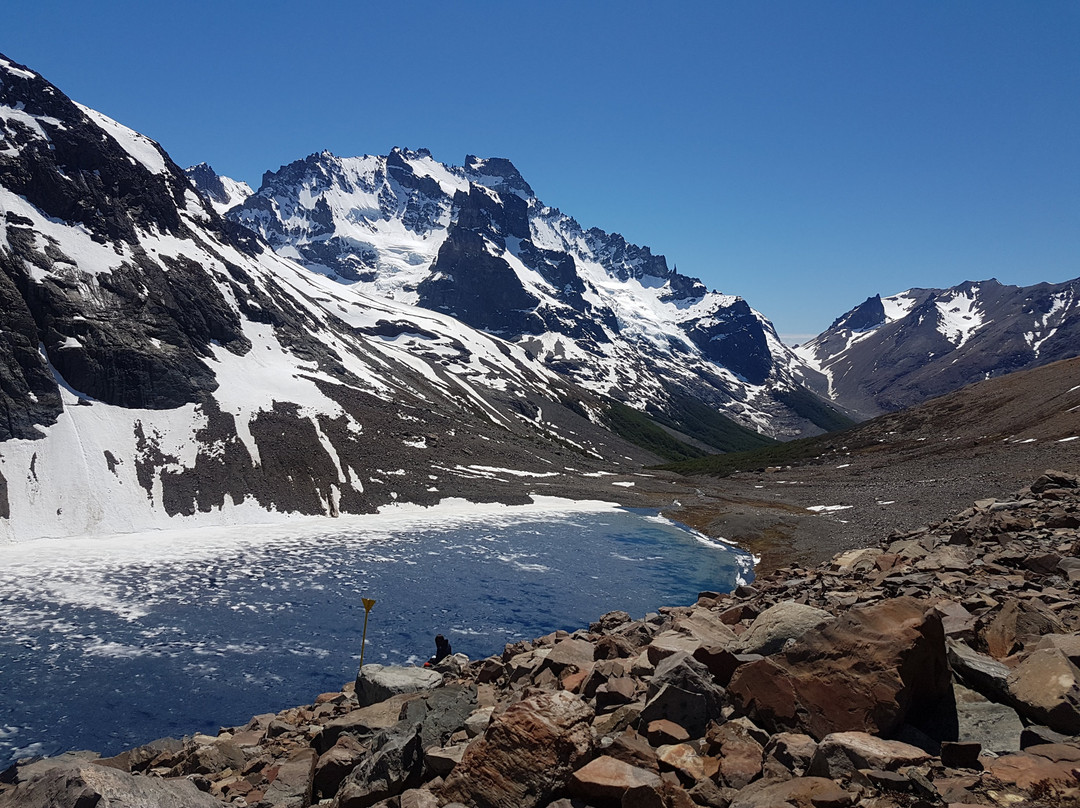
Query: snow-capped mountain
{"type": "Point", "coordinates": [892, 352]}
{"type": "Point", "coordinates": [157, 361]}
{"type": "Point", "coordinates": [474, 242]}
{"type": "Point", "coordinates": [223, 193]}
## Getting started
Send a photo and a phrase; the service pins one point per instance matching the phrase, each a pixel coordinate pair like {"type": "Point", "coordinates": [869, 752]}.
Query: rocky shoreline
{"type": "Point", "coordinates": [936, 669]}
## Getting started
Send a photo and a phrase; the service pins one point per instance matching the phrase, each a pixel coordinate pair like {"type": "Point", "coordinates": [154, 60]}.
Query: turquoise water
{"type": "Point", "coordinates": [105, 647]}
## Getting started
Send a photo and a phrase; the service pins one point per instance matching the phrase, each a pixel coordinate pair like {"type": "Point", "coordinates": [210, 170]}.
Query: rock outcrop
{"type": "Point", "coordinates": [937, 669]}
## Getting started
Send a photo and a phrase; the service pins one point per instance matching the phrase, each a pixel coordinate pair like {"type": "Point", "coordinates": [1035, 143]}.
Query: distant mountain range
{"type": "Point", "coordinates": [890, 353]}
{"type": "Point", "coordinates": [360, 331]}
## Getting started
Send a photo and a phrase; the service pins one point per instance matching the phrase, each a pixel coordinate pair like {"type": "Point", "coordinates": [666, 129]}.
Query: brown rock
{"type": "Point", "coordinates": [631, 748]}
{"type": "Point", "coordinates": [292, 786]}
{"type": "Point", "coordinates": [722, 662]}
{"type": "Point", "coordinates": [683, 759]}
{"type": "Point", "coordinates": [801, 792]}
{"type": "Point", "coordinates": [788, 754]}
{"type": "Point", "coordinates": [662, 731]}
{"type": "Point", "coordinates": [525, 755]}
{"type": "Point", "coordinates": [577, 654]}
{"type": "Point", "coordinates": [1017, 623]}
{"type": "Point", "coordinates": [1036, 764]}
{"type": "Point", "coordinates": [840, 754]}
{"type": "Point", "coordinates": [607, 778]}
{"type": "Point", "coordinates": [664, 795]}
{"type": "Point", "coordinates": [870, 670]}
{"type": "Point", "coordinates": [1045, 687]}
{"type": "Point", "coordinates": [616, 691]}
{"type": "Point", "coordinates": [334, 765]}
{"type": "Point", "coordinates": [613, 646]}
{"type": "Point", "coordinates": [740, 754]}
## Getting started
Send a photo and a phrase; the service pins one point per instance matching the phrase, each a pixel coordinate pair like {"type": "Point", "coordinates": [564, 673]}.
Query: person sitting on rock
{"type": "Point", "coordinates": [442, 650]}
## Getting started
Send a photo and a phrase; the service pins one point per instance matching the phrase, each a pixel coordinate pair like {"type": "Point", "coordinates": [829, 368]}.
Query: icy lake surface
{"type": "Point", "coordinates": [110, 643]}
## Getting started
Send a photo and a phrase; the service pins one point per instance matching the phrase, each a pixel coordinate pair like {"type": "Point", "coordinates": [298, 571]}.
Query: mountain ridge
{"type": "Point", "coordinates": [893, 352]}
{"type": "Point", "coordinates": [474, 241]}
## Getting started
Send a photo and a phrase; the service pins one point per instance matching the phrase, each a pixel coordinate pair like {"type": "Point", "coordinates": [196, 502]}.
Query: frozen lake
{"type": "Point", "coordinates": [109, 643]}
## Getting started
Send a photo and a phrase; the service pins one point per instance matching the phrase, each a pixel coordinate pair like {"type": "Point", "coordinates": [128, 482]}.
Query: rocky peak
{"type": "Point", "coordinates": [868, 314]}
{"type": "Point", "coordinates": [499, 174]}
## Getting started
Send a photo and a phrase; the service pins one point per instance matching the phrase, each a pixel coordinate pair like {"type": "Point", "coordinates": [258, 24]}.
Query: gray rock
{"type": "Point", "coordinates": [395, 765]}
{"type": "Point", "coordinates": [995, 726]}
{"type": "Point", "coordinates": [776, 625]}
{"type": "Point", "coordinates": [682, 690]}
{"type": "Point", "coordinates": [375, 683]}
{"type": "Point", "coordinates": [440, 713]}
{"type": "Point", "coordinates": [979, 672]}
{"type": "Point", "coordinates": [87, 784]}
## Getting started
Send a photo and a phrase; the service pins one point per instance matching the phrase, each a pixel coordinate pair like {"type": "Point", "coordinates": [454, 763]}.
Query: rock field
{"type": "Point", "coordinates": [939, 668]}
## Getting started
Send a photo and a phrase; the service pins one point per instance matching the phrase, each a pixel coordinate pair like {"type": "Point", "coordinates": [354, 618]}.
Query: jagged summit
{"type": "Point", "coordinates": [474, 242]}
{"type": "Point", "coordinates": [222, 192]}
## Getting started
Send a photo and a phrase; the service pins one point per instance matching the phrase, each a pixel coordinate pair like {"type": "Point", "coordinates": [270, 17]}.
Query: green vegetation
{"type": "Point", "coordinates": [813, 409]}
{"type": "Point", "coordinates": [778, 454]}
{"type": "Point", "coordinates": [640, 430]}
{"type": "Point", "coordinates": [696, 419]}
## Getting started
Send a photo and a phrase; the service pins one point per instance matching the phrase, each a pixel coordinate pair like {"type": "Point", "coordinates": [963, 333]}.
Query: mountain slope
{"type": "Point", "coordinates": [475, 242]}
{"type": "Point", "coordinates": [160, 362]}
{"type": "Point", "coordinates": [889, 353]}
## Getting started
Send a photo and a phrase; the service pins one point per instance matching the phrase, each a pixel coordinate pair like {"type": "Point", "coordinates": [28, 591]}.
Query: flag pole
{"type": "Point", "coordinates": [368, 603]}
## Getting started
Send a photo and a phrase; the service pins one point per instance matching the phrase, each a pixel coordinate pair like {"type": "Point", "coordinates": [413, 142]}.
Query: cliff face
{"type": "Point", "coordinates": [160, 364]}
{"type": "Point", "coordinates": [939, 667]}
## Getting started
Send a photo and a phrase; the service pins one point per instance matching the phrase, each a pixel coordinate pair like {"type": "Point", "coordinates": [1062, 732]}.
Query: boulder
{"type": "Point", "coordinates": [363, 722]}
{"type": "Point", "coordinates": [439, 761]}
{"type": "Point", "coordinates": [870, 671]}
{"type": "Point", "coordinates": [800, 792]}
{"type": "Point", "coordinates": [1016, 624]}
{"type": "Point", "coordinates": [375, 683]}
{"type": "Point", "coordinates": [1045, 687]}
{"type": "Point", "coordinates": [682, 690]}
{"type": "Point", "coordinates": [292, 787]}
{"type": "Point", "coordinates": [440, 712]}
{"type": "Point", "coordinates": [334, 765]}
{"type": "Point", "coordinates": [995, 727]}
{"type": "Point", "coordinates": [1038, 764]}
{"type": "Point", "coordinates": [607, 778]}
{"type": "Point", "coordinates": [684, 759]}
{"type": "Point", "coordinates": [842, 753]}
{"type": "Point", "coordinates": [739, 752]}
{"type": "Point", "coordinates": [631, 748]}
{"type": "Point", "coordinates": [706, 627]}
{"type": "Point", "coordinates": [83, 783]}
{"type": "Point", "coordinates": [776, 625]}
{"type": "Point", "coordinates": [979, 672]}
{"type": "Point", "coordinates": [788, 754]}
{"type": "Point", "coordinates": [394, 765]}
{"type": "Point", "coordinates": [525, 755]}
{"type": "Point", "coordinates": [570, 653]}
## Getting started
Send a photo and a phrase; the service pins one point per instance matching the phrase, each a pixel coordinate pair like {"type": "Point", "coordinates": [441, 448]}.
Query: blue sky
{"type": "Point", "coordinates": [802, 155]}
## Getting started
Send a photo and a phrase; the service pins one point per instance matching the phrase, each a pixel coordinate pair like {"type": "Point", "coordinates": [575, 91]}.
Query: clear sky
{"type": "Point", "coordinates": [804, 155]}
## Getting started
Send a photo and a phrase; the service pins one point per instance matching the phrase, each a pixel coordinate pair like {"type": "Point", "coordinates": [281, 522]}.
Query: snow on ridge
{"type": "Point", "coordinates": [140, 148]}
{"type": "Point", "coordinates": [16, 71]}
{"type": "Point", "coordinates": [1043, 330]}
{"type": "Point", "coordinates": [898, 306]}
{"type": "Point", "coordinates": [960, 316]}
